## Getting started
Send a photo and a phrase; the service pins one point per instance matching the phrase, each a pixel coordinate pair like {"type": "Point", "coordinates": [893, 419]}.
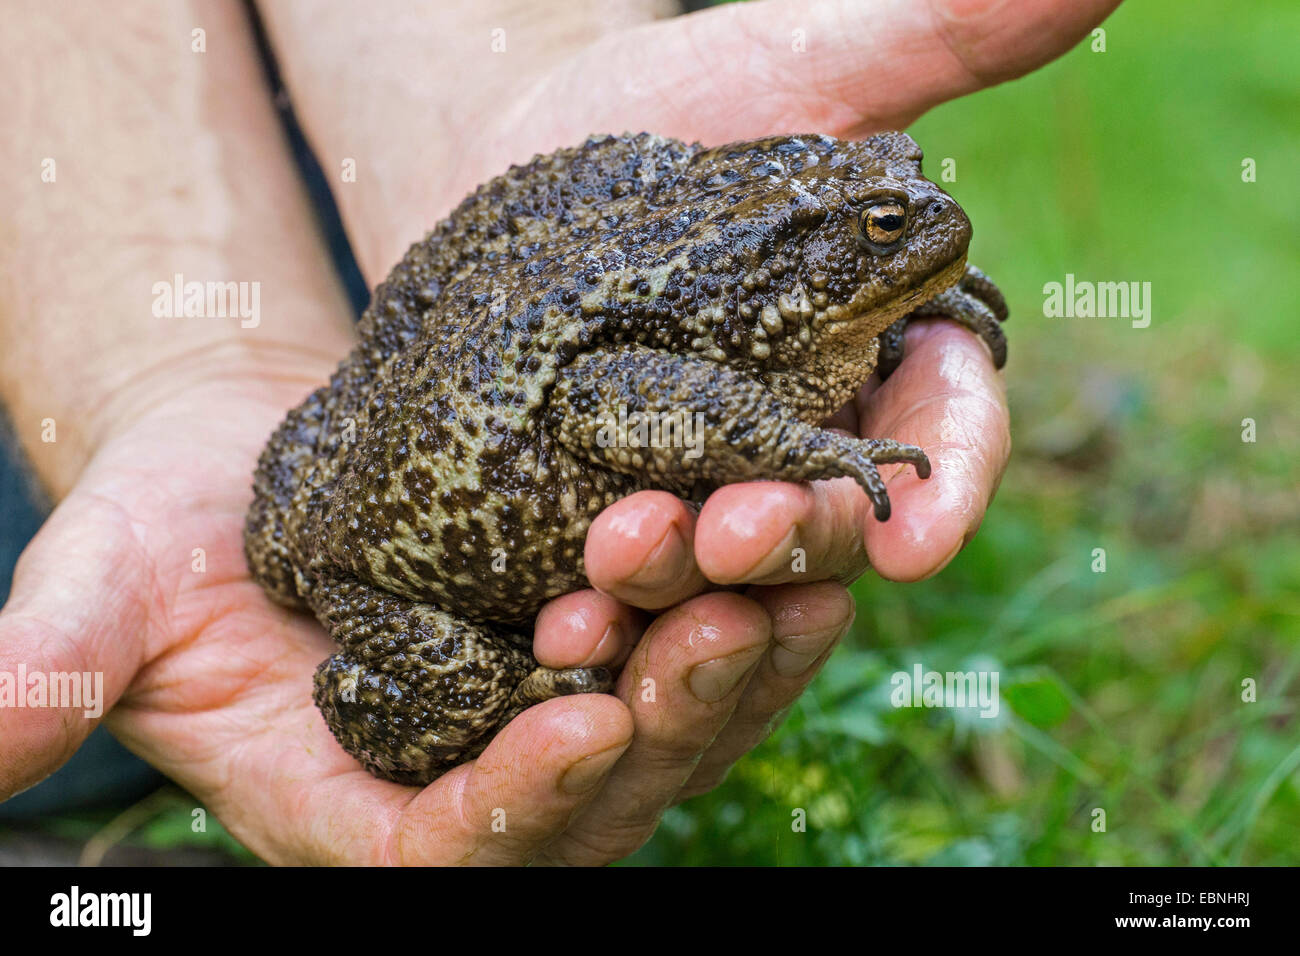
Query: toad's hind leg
{"type": "Point", "coordinates": [414, 691]}
{"type": "Point", "coordinates": [974, 301]}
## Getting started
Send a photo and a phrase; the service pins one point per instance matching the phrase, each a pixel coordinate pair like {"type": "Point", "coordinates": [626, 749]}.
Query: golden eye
{"type": "Point", "coordinates": [883, 223]}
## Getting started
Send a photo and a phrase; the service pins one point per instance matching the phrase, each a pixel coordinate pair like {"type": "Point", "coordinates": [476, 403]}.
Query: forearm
{"type": "Point", "coordinates": [130, 159]}
{"type": "Point", "coordinates": [414, 95]}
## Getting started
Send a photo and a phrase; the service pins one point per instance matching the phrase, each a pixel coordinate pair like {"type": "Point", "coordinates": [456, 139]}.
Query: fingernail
{"type": "Point", "coordinates": [587, 772]}
{"type": "Point", "coordinates": [715, 679]}
{"type": "Point", "coordinates": [793, 655]}
{"type": "Point", "coordinates": [664, 565]}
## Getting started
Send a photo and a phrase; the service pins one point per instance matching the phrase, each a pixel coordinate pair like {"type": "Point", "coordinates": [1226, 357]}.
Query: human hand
{"type": "Point", "coordinates": [211, 681]}
{"type": "Point", "coordinates": [651, 551]}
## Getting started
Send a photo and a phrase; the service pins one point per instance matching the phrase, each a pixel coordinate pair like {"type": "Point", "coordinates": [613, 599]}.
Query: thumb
{"type": "Point", "coordinates": [71, 636]}
{"type": "Point", "coordinates": [844, 67]}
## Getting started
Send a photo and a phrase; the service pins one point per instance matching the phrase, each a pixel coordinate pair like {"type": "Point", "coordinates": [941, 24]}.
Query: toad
{"type": "Point", "coordinates": [437, 492]}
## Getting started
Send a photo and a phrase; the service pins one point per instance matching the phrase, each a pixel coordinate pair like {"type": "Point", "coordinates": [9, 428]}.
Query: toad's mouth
{"type": "Point", "coordinates": [882, 315]}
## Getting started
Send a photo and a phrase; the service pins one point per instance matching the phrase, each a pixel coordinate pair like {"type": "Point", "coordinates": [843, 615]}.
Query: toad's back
{"type": "Point", "coordinates": [457, 349]}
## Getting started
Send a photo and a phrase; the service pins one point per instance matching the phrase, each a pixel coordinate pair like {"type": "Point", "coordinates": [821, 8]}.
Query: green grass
{"type": "Point", "coordinates": [1122, 690]}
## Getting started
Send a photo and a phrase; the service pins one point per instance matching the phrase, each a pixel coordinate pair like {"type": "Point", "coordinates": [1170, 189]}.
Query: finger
{"type": "Point", "coordinates": [500, 808]}
{"type": "Point", "coordinates": [808, 620]}
{"type": "Point", "coordinates": [948, 399]}
{"type": "Point", "coordinates": [504, 807]}
{"type": "Point", "coordinates": [844, 67]}
{"type": "Point", "coordinates": [772, 532]}
{"type": "Point", "coordinates": [640, 550]}
{"type": "Point", "coordinates": [682, 685]}
{"type": "Point", "coordinates": [586, 629]}
{"type": "Point", "coordinates": [86, 618]}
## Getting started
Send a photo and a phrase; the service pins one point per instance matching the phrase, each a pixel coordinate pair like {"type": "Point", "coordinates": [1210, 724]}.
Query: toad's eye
{"type": "Point", "coordinates": [882, 223]}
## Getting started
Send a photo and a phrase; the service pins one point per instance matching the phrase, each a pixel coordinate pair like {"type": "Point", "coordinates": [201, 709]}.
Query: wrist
{"type": "Point", "coordinates": [62, 426]}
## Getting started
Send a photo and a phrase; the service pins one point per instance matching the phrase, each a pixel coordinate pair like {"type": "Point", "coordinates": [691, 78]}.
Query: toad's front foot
{"type": "Point", "coordinates": [974, 301]}
{"type": "Point", "coordinates": [743, 433]}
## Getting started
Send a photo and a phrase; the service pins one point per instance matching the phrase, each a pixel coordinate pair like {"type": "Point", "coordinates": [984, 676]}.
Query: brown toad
{"type": "Point", "coordinates": [428, 500]}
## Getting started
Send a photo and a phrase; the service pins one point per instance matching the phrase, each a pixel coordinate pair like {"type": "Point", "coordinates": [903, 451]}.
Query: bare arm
{"type": "Point", "coordinates": [132, 160]}
{"type": "Point", "coordinates": [128, 158]}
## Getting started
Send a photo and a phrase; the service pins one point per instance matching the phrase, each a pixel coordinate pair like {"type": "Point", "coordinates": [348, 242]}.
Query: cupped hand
{"type": "Point", "coordinates": [209, 681]}
{"type": "Point", "coordinates": [714, 674]}
{"type": "Point", "coordinates": [139, 574]}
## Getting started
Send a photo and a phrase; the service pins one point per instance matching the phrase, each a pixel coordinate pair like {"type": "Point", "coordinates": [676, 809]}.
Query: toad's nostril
{"type": "Point", "coordinates": [935, 207]}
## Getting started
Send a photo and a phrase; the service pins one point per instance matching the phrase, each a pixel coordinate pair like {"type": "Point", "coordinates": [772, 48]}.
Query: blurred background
{"type": "Point", "coordinates": [1121, 690]}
